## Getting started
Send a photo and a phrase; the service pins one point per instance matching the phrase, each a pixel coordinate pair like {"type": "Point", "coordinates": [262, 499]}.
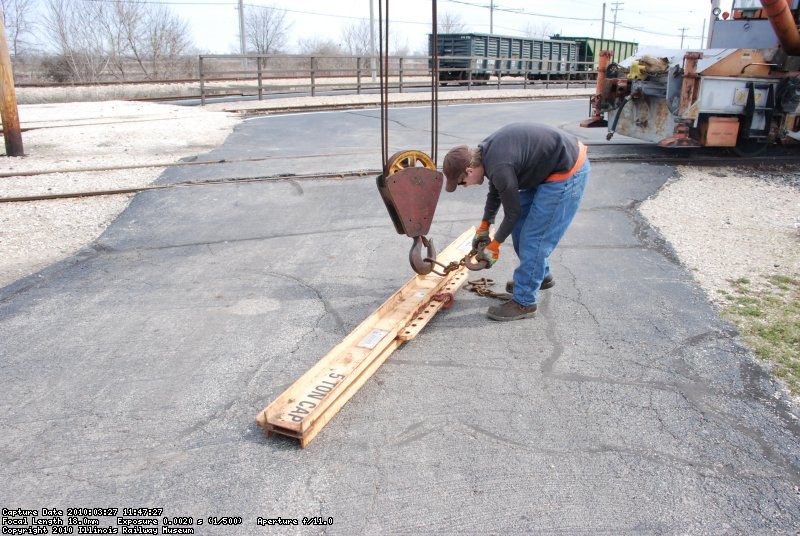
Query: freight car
{"type": "Point", "coordinates": [476, 57]}
{"type": "Point", "coordinates": [589, 50]}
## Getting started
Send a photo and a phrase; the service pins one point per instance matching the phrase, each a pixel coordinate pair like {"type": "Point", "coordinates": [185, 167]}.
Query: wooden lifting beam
{"type": "Point", "coordinates": [307, 405]}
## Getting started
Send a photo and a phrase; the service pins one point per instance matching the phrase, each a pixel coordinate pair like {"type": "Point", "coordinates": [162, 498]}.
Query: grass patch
{"type": "Point", "coordinates": [767, 314]}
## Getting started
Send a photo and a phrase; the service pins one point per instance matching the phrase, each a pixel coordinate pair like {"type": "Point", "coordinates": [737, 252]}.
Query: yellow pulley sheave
{"type": "Point", "coordinates": [407, 159]}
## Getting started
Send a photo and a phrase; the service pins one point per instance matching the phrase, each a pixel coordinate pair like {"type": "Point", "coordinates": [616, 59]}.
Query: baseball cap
{"type": "Point", "coordinates": [455, 165]}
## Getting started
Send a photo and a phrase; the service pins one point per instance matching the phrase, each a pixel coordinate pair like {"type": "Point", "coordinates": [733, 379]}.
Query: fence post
{"type": "Point", "coordinates": [313, 76]}
{"type": "Point", "coordinates": [400, 81]}
{"type": "Point", "coordinates": [549, 68]}
{"type": "Point", "coordinates": [202, 83]}
{"type": "Point", "coordinates": [358, 75]}
{"type": "Point", "coordinates": [260, 80]}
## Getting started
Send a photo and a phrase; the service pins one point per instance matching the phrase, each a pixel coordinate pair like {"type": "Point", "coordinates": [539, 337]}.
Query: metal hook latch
{"type": "Point", "coordinates": [422, 265]}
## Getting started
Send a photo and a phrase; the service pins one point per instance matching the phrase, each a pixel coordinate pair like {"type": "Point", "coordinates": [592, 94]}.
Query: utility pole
{"type": "Point", "coordinates": [615, 9]}
{"type": "Point", "coordinates": [683, 32]}
{"type": "Point", "coordinates": [8, 106]}
{"type": "Point", "coordinates": [703, 34]}
{"type": "Point", "coordinates": [372, 38]}
{"type": "Point", "coordinates": [491, 17]}
{"type": "Point", "coordinates": [241, 35]}
{"type": "Point", "coordinates": [603, 25]}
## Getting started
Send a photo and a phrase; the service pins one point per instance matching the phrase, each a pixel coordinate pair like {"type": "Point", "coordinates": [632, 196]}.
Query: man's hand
{"type": "Point", "coordinates": [481, 238]}
{"type": "Point", "coordinates": [490, 253]}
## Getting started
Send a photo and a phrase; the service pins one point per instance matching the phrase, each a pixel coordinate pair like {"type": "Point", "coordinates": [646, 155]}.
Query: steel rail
{"type": "Point", "coordinates": [33, 172]}
{"type": "Point", "coordinates": [677, 158]}
{"type": "Point", "coordinates": [182, 184]}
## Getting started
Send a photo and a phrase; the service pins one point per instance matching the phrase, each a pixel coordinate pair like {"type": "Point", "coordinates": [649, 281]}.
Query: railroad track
{"type": "Point", "coordinates": [599, 153]}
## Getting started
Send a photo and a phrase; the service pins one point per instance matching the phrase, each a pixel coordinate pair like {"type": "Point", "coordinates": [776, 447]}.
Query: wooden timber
{"type": "Point", "coordinates": [303, 409]}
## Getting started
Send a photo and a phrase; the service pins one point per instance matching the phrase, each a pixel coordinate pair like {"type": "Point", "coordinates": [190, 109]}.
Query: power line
{"type": "Point", "coordinates": [351, 17]}
{"type": "Point", "coordinates": [167, 3]}
{"type": "Point", "coordinates": [396, 21]}
{"type": "Point", "coordinates": [683, 33]}
{"type": "Point", "coordinates": [236, 3]}
{"type": "Point", "coordinates": [310, 12]}
{"type": "Point", "coordinates": [581, 19]}
{"type": "Point", "coordinates": [650, 32]}
{"type": "Point", "coordinates": [518, 11]}
{"type": "Point", "coordinates": [615, 9]}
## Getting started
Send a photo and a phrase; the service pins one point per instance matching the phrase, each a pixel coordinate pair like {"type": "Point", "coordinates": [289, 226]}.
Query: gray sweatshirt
{"type": "Point", "coordinates": [521, 156]}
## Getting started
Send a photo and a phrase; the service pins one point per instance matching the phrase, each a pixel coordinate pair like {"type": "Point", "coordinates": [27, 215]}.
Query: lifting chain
{"type": "Point", "coordinates": [446, 269]}
{"type": "Point", "coordinates": [481, 288]}
{"type": "Point", "coordinates": [453, 266]}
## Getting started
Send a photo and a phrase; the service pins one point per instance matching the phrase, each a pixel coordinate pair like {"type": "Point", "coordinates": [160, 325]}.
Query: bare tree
{"type": "Point", "coordinates": [538, 31]}
{"type": "Point", "coordinates": [265, 29]}
{"type": "Point", "coordinates": [74, 28]}
{"type": "Point", "coordinates": [451, 23]}
{"type": "Point", "coordinates": [16, 18]}
{"type": "Point", "coordinates": [356, 39]}
{"type": "Point", "coordinates": [92, 39]}
{"type": "Point", "coordinates": [159, 42]}
{"type": "Point", "coordinates": [400, 45]}
{"type": "Point", "coordinates": [316, 46]}
{"type": "Point", "coordinates": [123, 31]}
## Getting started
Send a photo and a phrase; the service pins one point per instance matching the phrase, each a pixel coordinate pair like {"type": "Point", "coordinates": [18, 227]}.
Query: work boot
{"type": "Point", "coordinates": [547, 282]}
{"type": "Point", "coordinates": [510, 310]}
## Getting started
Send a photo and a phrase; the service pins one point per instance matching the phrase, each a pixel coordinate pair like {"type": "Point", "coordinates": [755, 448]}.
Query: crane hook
{"type": "Point", "coordinates": [418, 262]}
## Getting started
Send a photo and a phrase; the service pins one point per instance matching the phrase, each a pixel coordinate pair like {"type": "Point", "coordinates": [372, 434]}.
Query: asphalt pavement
{"type": "Point", "coordinates": [132, 372]}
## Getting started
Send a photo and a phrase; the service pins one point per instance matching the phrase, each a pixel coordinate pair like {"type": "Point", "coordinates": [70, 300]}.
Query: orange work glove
{"type": "Point", "coordinates": [481, 235]}
{"type": "Point", "coordinates": [490, 253]}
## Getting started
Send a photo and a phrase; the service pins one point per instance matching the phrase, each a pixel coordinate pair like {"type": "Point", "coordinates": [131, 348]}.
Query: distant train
{"type": "Point", "coordinates": [477, 57]}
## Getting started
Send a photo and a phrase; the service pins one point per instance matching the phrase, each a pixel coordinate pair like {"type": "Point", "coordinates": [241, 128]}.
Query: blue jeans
{"type": "Point", "coordinates": [545, 213]}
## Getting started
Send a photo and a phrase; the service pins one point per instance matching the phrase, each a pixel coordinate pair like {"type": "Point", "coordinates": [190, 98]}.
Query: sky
{"type": "Point", "coordinates": [215, 25]}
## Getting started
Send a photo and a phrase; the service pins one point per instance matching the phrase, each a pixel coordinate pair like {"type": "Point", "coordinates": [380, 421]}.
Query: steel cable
{"type": "Point", "coordinates": [434, 85]}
